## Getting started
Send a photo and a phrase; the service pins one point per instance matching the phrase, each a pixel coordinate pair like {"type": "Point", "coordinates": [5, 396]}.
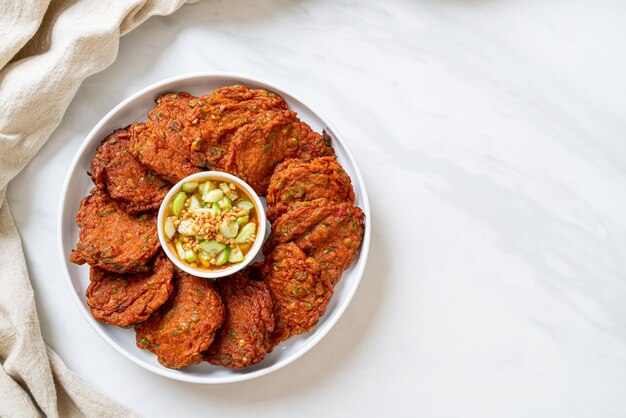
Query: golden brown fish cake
{"type": "Point", "coordinates": [257, 148]}
{"type": "Point", "coordinates": [158, 157]}
{"type": "Point", "coordinates": [298, 180]}
{"type": "Point", "coordinates": [112, 239]}
{"type": "Point", "coordinates": [223, 112]}
{"type": "Point", "coordinates": [299, 290]}
{"type": "Point", "coordinates": [328, 231]}
{"type": "Point", "coordinates": [185, 326]}
{"type": "Point", "coordinates": [190, 131]}
{"type": "Point", "coordinates": [245, 336]}
{"type": "Point", "coordinates": [267, 140]}
{"type": "Point", "coordinates": [126, 299]}
{"type": "Point", "coordinates": [115, 171]}
{"type": "Point", "coordinates": [234, 106]}
{"type": "Point", "coordinates": [159, 142]}
{"type": "Point", "coordinates": [311, 144]}
{"type": "Point", "coordinates": [220, 114]}
{"type": "Point", "coordinates": [177, 123]}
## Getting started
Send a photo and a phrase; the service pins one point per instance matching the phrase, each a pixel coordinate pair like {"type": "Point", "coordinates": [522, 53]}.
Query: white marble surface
{"type": "Point", "coordinates": [496, 284]}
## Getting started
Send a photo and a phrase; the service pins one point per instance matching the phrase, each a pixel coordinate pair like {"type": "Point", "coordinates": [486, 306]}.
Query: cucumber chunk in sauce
{"type": "Point", "coordinates": [236, 255]}
{"type": "Point", "coordinates": [225, 203]}
{"type": "Point", "coordinates": [194, 202]}
{"type": "Point", "coordinates": [205, 187]}
{"type": "Point", "coordinates": [215, 210]}
{"type": "Point", "coordinates": [186, 227]}
{"type": "Point", "coordinates": [222, 258]}
{"type": "Point", "coordinates": [189, 186]}
{"type": "Point", "coordinates": [169, 228]}
{"type": "Point", "coordinates": [178, 203]}
{"type": "Point", "coordinates": [247, 233]}
{"type": "Point", "coordinates": [190, 256]}
{"type": "Point", "coordinates": [245, 204]}
{"type": "Point", "coordinates": [213, 196]}
{"type": "Point", "coordinates": [209, 185]}
{"type": "Point", "coordinates": [227, 191]}
{"type": "Point", "coordinates": [229, 229]}
{"type": "Point", "coordinates": [180, 250]}
{"type": "Point", "coordinates": [212, 247]}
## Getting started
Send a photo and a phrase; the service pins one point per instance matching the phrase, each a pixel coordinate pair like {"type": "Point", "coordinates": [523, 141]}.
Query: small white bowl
{"type": "Point", "coordinates": [216, 176]}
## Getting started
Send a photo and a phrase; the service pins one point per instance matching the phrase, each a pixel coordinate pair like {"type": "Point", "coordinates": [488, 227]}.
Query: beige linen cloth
{"type": "Point", "coordinates": [47, 48]}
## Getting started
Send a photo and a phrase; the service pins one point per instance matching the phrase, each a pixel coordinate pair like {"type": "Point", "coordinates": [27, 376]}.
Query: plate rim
{"type": "Point", "coordinates": [341, 308]}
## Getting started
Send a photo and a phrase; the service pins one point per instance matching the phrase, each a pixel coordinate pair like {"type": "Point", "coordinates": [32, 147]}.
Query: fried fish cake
{"type": "Point", "coordinates": [234, 106]}
{"type": "Point", "coordinates": [217, 116]}
{"type": "Point", "coordinates": [112, 239]}
{"type": "Point", "coordinates": [310, 144]}
{"type": "Point", "coordinates": [185, 326]}
{"type": "Point", "coordinates": [229, 98]}
{"type": "Point", "coordinates": [328, 231]}
{"type": "Point", "coordinates": [221, 114]}
{"type": "Point", "coordinates": [299, 290]}
{"type": "Point", "coordinates": [177, 123]}
{"type": "Point", "coordinates": [258, 147]}
{"type": "Point", "coordinates": [168, 163]}
{"type": "Point", "coordinates": [126, 299]}
{"type": "Point", "coordinates": [245, 336]}
{"type": "Point", "coordinates": [115, 171]}
{"type": "Point", "coordinates": [298, 180]}
{"type": "Point", "coordinates": [267, 140]}
{"type": "Point", "coordinates": [159, 143]}
{"type": "Point", "coordinates": [189, 133]}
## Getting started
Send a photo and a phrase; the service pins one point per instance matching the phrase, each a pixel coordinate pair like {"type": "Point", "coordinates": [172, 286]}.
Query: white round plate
{"type": "Point", "coordinates": [78, 184]}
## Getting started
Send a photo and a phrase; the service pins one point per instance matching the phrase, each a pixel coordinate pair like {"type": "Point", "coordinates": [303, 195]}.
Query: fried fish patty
{"type": "Point", "coordinates": [220, 114]}
{"type": "Point", "coordinates": [159, 142]}
{"type": "Point", "coordinates": [125, 299]}
{"type": "Point", "coordinates": [258, 147]}
{"type": "Point", "coordinates": [235, 107]}
{"type": "Point", "coordinates": [297, 180]}
{"type": "Point", "coordinates": [311, 144]}
{"type": "Point", "coordinates": [115, 171]}
{"type": "Point", "coordinates": [112, 239]}
{"type": "Point", "coordinates": [229, 109]}
{"type": "Point", "coordinates": [266, 141]}
{"type": "Point", "coordinates": [185, 326]}
{"type": "Point", "coordinates": [189, 133]}
{"type": "Point", "coordinates": [245, 336]}
{"type": "Point", "coordinates": [328, 231]}
{"type": "Point", "coordinates": [299, 290]}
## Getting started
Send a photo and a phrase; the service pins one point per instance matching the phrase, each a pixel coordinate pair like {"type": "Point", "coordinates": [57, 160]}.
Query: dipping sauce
{"type": "Point", "coordinates": [210, 224]}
